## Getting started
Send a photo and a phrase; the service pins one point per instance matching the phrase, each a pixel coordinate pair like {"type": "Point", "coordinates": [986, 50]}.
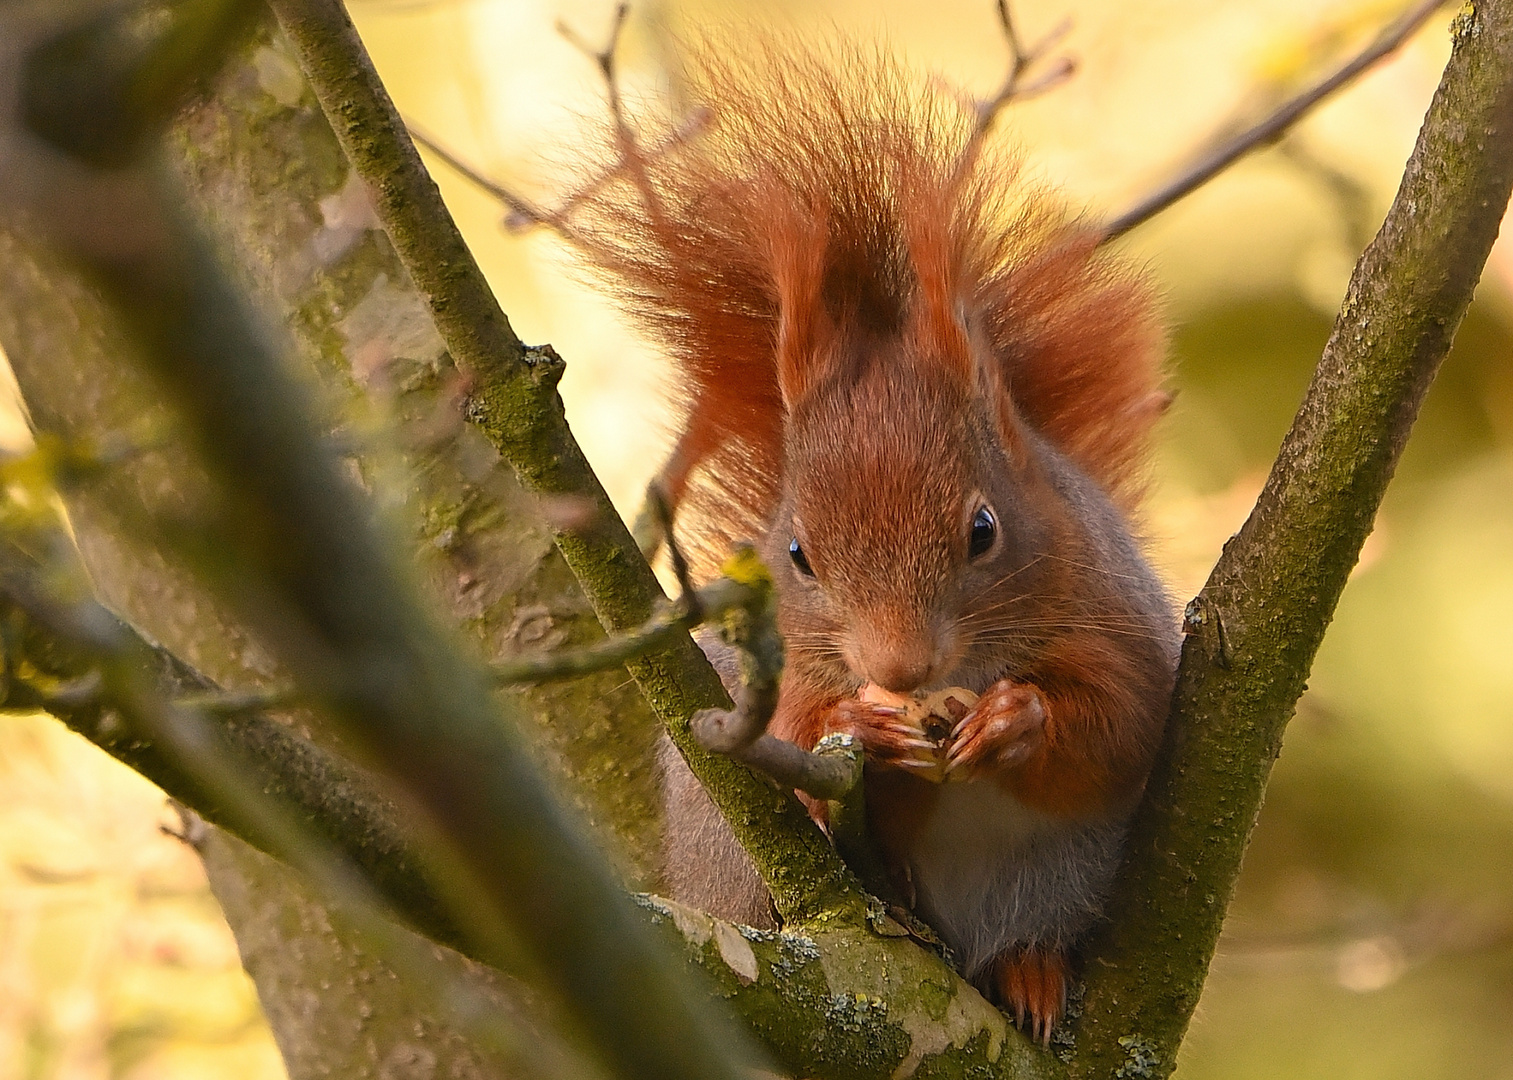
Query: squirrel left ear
{"type": "Point", "coordinates": [999, 403]}
{"type": "Point", "coordinates": [806, 337]}
{"type": "Point", "coordinates": [939, 316]}
{"type": "Point", "coordinates": [941, 326]}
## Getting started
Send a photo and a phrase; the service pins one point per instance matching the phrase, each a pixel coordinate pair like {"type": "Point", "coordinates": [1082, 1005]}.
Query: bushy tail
{"type": "Point", "coordinates": [827, 194]}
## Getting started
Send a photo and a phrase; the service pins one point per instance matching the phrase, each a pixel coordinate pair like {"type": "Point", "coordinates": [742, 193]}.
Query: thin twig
{"type": "Point", "coordinates": [522, 212]}
{"type": "Point", "coordinates": [693, 606]}
{"type": "Point", "coordinates": [661, 514]}
{"type": "Point", "coordinates": [604, 60]}
{"type": "Point", "coordinates": [828, 772]}
{"type": "Point", "coordinates": [1016, 86]}
{"type": "Point", "coordinates": [831, 771]}
{"type": "Point", "coordinates": [631, 158]}
{"type": "Point", "coordinates": [1269, 129]}
{"type": "Point", "coordinates": [713, 601]}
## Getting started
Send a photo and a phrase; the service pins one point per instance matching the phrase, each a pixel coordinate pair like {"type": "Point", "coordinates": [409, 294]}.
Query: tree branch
{"type": "Point", "coordinates": [515, 403]}
{"type": "Point", "coordinates": [1253, 631]}
{"type": "Point", "coordinates": [298, 557]}
{"type": "Point", "coordinates": [1015, 85]}
{"type": "Point", "coordinates": [1271, 128]}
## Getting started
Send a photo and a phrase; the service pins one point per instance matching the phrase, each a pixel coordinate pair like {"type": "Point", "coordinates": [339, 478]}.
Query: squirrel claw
{"type": "Point", "coordinates": [1006, 726]}
{"type": "Point", "coordinates": [1031, 984]}
{"type": "Point", "coordinates": [887, 739]}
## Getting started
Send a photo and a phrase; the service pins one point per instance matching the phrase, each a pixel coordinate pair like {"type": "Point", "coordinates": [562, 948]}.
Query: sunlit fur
{"type": "Point", "coordinates": [822, 201]}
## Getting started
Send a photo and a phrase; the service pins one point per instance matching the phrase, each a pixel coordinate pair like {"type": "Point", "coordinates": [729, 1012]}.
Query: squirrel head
{"type": "Point", "coordinates": [911, 513]}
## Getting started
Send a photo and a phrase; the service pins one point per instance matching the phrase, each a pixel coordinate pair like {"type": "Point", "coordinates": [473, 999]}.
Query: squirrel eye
{"type": "Point", "coordinates": [800, 560]}
{"type": "Point", "coordinates": [984, 532]}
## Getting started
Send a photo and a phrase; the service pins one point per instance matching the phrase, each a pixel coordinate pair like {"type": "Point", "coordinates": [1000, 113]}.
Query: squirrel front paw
{"type": "Point", "coordinates": [888, 736]}
{"type": "Point", "coordinates": [1005, 727]}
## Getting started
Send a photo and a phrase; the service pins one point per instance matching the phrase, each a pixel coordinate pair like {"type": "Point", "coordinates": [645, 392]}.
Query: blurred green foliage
{"type": "Point", "coordinates": [1372, 934]}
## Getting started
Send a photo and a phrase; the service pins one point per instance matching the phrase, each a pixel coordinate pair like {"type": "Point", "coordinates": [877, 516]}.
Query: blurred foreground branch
{"type": "Point", "coordinates": [294, 551]}
{"type": "Point", "coordinates": [67, 654]}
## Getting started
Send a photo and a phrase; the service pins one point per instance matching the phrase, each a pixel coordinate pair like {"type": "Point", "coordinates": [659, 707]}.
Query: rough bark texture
{"type": "Point", "coordinates": [280, 195]}
{"type": "Point", "coordinates": [1253, 631]}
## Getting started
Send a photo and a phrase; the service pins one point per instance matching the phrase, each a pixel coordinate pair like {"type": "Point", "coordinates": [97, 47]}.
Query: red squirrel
{"type": "Point", "coordinates": [921, 387]}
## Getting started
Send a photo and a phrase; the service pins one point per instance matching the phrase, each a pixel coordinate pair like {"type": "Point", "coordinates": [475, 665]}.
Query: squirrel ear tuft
{"type": "Point", "coordinates": [991, 384]}
{"type": "Point", "coordinates": [938, 319]}
{"type": "Point", "coordinates": [805, 334]}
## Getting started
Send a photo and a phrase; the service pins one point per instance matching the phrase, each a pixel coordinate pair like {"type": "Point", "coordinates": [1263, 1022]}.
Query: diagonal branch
{"type": "Point", "coordinates": [318, 581]}
{"type": "Point", "coordinates": [1017, 85]}
{"type": "Point", "coordinates": [1253, 631]}
{"type": "Point", "coordinates": [1273, 126]}
{"type": "Point", "coordinates": [515, 404]}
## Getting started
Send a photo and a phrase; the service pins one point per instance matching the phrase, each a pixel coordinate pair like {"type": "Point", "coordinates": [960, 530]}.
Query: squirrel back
{"type": "Point", "coordinates": [825, 199]}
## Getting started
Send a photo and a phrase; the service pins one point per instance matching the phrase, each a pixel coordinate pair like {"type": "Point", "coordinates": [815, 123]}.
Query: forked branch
{"type": "Point", "coordinates": [1019, 83]}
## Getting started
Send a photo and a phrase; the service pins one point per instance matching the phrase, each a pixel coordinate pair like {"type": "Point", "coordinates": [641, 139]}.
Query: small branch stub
{"type": "Point", "coordinates": [834, 768]}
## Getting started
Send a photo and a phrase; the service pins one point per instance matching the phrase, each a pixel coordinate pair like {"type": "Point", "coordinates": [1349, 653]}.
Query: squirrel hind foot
{"type": "Point", "coordinates": [1030, 984]}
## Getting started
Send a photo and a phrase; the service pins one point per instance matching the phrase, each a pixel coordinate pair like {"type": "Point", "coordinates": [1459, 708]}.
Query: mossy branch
{"type": "Point", "coordinates": [1253, 631]}
{"type": "Point", "coordinates": [514, 402]}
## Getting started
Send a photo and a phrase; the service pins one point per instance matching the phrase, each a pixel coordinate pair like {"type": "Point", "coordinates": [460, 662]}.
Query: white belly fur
{"type": "Point", "coordinates": [990, 872]}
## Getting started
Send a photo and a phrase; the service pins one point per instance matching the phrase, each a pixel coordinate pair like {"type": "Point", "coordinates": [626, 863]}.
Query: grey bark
{"type": "Point", "coordinates": [337, 1011]}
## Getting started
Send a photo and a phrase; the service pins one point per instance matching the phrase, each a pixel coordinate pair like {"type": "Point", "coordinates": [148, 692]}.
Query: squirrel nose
{"type": "Point", "coordinates": [899, 670]}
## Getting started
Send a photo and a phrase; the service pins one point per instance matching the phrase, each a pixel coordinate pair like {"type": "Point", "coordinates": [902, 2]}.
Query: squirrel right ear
{"type": "Point", "coordinates": [997, 396]}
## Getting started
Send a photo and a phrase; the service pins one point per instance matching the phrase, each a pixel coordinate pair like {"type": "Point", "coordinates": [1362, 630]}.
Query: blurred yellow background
{"type": "Point", "coordinates": [1373, 933]}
